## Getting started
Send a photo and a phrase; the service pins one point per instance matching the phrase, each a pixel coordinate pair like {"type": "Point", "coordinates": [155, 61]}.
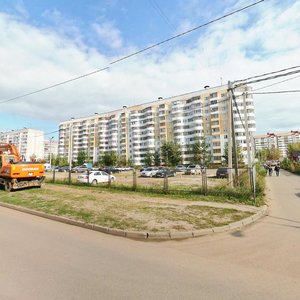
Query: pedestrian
{"type": "Point", "coordinates": [270, 170]}
{"type": "Point", "coordinates": [277, 168]}
{"type": "Point", "coordinates": [266, 167]}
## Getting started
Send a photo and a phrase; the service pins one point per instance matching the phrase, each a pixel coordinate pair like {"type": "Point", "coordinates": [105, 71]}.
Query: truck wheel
{"type": "Point", "coordinates": [8, 186]}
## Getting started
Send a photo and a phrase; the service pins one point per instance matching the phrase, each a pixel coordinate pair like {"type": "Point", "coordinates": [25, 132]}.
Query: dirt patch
{"type": "Point", "coordinates": [127, 211]}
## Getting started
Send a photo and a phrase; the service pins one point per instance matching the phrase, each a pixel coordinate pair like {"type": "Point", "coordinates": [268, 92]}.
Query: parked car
{"type": "Point", "coordinates": [80, 169]}
{"type": "Point", "coordinates": [95, 177]}
{"type": "Point", "coordinates": [149, 172]}
{"type": "Point", "coordinates": [111, 170]}
{"type": "Point", "coordinates": [180, 168]}
{"type": "Point", "coordinates": [222, 172]}
{"type": "Point", "coordinates": [193, 170]}
{"type": "Point", "coordinates": [165, 172]}
{"type": "Point", "coordinates": [62, 169]}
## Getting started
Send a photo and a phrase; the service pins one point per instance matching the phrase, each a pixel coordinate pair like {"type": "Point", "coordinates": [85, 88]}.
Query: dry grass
{"type": "Point", "coordinates": [123, 211]}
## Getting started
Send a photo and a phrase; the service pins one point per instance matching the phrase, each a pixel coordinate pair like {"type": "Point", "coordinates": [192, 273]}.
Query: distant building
{"type": "Point", "coordinates": [278, 140]}
{"type": "Point", "coordinates": [132, 131]}
{"type": "Point", "coordinates": [50, 147]}
{"type": "Point", "coordinates": [30, 142]}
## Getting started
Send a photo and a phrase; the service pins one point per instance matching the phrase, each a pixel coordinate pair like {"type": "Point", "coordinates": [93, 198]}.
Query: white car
{"type": "Point", "coordinates": [95, 177]}
{"type": "Point", "coordinates": [149, 172]}
{"type": "Point", "coordinates": [193, 170]}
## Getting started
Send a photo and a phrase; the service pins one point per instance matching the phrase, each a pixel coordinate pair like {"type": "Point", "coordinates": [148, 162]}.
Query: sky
{"type": "Point", "coordinates": [47, 42]}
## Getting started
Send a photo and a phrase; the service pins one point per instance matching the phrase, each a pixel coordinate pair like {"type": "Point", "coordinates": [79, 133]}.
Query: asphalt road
{"type": "Point", "coordinates": [42, 259]}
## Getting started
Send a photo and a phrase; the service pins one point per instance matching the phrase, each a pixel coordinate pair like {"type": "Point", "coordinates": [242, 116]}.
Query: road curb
{"type": "Point", "coordinates": [163, 235]}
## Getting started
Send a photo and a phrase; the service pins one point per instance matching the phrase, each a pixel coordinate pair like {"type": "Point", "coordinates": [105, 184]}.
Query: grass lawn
{"type": "Point", "coordinates": [127, 211]}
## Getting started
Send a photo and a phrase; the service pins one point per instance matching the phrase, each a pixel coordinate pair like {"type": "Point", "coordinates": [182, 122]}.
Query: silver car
{"type": "Point", "coordinates": [193, 170]}
{"type": "Point", "coordinates": [149, 172]}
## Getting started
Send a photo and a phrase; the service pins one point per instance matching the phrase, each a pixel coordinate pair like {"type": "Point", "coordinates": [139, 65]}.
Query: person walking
{"type": "Point", "coordinates": [277, 168]}
{"type": "Point", "coordinates": [270, 170]}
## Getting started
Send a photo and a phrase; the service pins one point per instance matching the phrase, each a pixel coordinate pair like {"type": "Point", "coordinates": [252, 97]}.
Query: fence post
{"type": "Point", "coordinates": [70, 174]}
{"type": "Point", "coordinates": [166, 184]}
{"type": "Point", "coordinates": [109, 180]}
{"type": "Point", "coordinates": [204, 182]}
{"type": "Point", "coordinates": [134, 180]}
{"type": "Point", "coordinates": [88, 176]}
{"type": "Point", "coordinates": [53, 176]}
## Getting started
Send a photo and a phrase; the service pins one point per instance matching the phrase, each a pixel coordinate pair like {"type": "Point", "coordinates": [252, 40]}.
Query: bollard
{"type": "Point", "coordinates": [53, 176]}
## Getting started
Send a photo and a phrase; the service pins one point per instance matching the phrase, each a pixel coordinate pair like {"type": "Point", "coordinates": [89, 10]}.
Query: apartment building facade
{"type": "Point", "coordinates": [30, 142]}
{"type": "Point", "coordinates": [50, 148]}
{"type": "Point", "coordinates": [133, 131]}
{"type": "Point", "coordinates": [277, 140]}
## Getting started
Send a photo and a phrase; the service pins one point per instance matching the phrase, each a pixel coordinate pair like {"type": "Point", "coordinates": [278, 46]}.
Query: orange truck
{"type": "Point", "coordinates": [15, 173]}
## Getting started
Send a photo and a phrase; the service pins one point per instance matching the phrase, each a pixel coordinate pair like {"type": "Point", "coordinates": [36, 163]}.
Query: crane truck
{"type": "Point", "coordinates": [15, 173]}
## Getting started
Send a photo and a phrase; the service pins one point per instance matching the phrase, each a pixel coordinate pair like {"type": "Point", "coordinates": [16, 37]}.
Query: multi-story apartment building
{"type": "Point", "coordinates": [30, 142]}
{"type": "Point", "coordinates": [279, 141]}
{"type": "Point", "coordinates": [132, 131]}
{"type": "Point", "coordinates": [50, 148]}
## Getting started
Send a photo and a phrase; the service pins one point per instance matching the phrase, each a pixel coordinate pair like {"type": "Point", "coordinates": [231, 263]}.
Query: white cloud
{"type": "Point", "coordinates": [21, 9]}
{"type": "Point", "coordinates": [108, 34]}
{"type": "Point", "coordinates": [235, 48]}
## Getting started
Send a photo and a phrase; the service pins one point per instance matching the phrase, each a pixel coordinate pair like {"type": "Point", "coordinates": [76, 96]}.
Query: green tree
{"type": "Point", "coordinates": [148, 159]}
{"type": "Point", "coordinates": [157, 160]}
{"type": "Point", "coordinates": [129, 162]}
{"type": "Point", "coordinates": [171, 153]}
{"type": "Point", "coordinates": [201, 152]}
{"type": "Point", "coordinates": [109, 158]}
{"type": "Point", "coordinates": [121, 161]}
{"type": "Point", "coordinates": [292, 148]}
{"type": "Point", "coordinates": [273, 153]}
{"type": "Point", "coordinates": [239, 156]}
{"type": "Point", "coordinates": [81, 157]}
{"type": "Point", "coordinates": [261, 155]}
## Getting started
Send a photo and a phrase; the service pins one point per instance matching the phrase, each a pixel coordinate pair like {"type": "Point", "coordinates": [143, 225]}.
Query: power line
{"type": "Point", "coordinates": [263, 87]}
{"type": "Point", "coordinates": [135, 53]}
{"type": "Point", "coordinates": [270, 73]}
{"type": "Point", "coordinates": [54, 85]}
{"type": "Point", "coordinates": [157, 8]}
{"type": "Point", "coordinates": [267, 78]}
{"type": "Point", "coordinates": [276, 92]}
{"type": "Point", "coordinates": [188, 31]}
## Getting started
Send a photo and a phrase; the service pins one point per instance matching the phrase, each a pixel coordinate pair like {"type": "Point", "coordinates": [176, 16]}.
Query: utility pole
{"type": "Point", "coordinates": [247, 131]}
{"type": "Point", "coordinates": [251, 169]}
{"type": "Point", "coordinates": [50, 151]}
{"type": "Point", "coordinates": [236, 165]}
{"type": "Point", "coordinates": [70, 145]}
{"type": "Point", "coordinates": [229, 134]}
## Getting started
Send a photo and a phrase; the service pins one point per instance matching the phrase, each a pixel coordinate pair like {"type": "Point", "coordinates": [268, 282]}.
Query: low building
{"type": "Point", "coordinates": [30, 142]}
{"type": "Point", "coordinates": [277, 140]}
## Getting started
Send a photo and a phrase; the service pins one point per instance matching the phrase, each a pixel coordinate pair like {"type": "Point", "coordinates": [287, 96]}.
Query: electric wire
{"type": "Point", "coordinates": [188, 31]}
{"type": "Point", "coordinates": [270, 73]}
{"type": "Point", "coordinates": [158, 9]}
{"type": "Point", "coordinates": [276, 83]}
{"type": "Point", "coordinates": [276, 92]}
{"type": "Point", "coordinates": [135, 53]}
{"type": "Point", "coordinates": [264, 79]}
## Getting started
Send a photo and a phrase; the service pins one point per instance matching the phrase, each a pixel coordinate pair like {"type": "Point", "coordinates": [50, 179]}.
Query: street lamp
{"type": "Point", "coordinates": [50, 150]}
